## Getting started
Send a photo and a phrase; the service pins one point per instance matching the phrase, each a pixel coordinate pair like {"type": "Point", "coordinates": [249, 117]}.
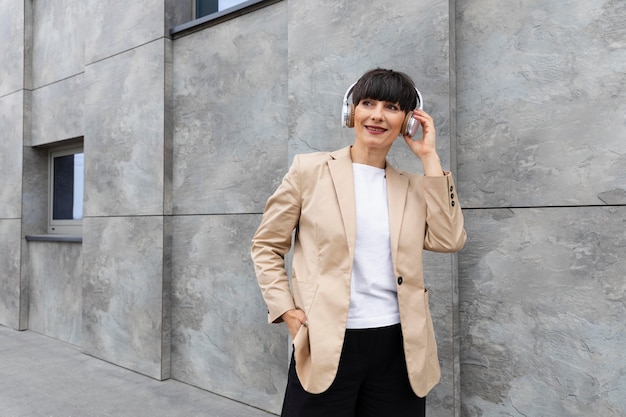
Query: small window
{"type": "Point", "coordinates": [66, 191]}
{"type": "Point", "coordinates": [207, 7]}
{"type": "Point", "coordinates": [208, 13]}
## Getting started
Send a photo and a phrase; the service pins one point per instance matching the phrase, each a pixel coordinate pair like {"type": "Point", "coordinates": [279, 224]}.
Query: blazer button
{"type": "Point", "coordinates": [451, 188]}
{"type": "Point", "coordinates": [452, 203]}
{"type": "Point", "coordinates": [452, 195]}
{"type": "Point", "coordinates": [399, 280]}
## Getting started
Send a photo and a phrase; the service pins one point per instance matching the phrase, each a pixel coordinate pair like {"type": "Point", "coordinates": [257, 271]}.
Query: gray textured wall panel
{"type": "Point", "coordinates": [168, 128]}
{"type": "Point", "coordinates": [124, 135]}
{"type": "Point", "coordinates": [440, 279]}
{"type": "Point", "coordinates": [177, 12]}
{"type": "Point", "coordinates": [55, 287]}
{"type": "Point", "coordinates": [230, 110]}
{"type": "Point", "coordinates": [35, 191]}
{"type": "Point", "coordinates": [57, 111]}
{"type": "Point", "coordinates": [123, 288]}
{"type": "Point", "coordinates": [58, 40]}
{"type": "Point", "coordinates": [11, 142]}
{"type": "Point", "coordinates": [12, 50]}
{"type": "Point", "coordinates": [541, 99]}
{"type": "Point", "coordinates": [221, 339]}
{"type": "Point", "coordinates": [10, 283]}
{"type": "Point", "coordinates": [543, 301]}
{"type": "Point", "coordinates": [117, 26]}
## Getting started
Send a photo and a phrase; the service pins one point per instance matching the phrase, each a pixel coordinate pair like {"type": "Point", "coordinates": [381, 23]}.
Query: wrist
{"type": "Point", "coordinates": [432, 165]}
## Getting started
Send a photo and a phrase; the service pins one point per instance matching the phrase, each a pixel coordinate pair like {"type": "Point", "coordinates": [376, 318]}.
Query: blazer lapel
{"type": "Point", "coordinates": [397, 188]}
{"type": "Point", "coordinates": [343, 178]}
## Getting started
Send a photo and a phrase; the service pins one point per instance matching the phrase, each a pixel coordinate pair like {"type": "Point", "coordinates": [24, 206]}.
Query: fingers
{"type": "Point", "coordinates": [425, 147]}
{"type": "Point", "coordinates": [428, 125]}
{"type": "Point", "coordinates": [425, 120]}
{"type": "Point", "coordinates": [294, 319]}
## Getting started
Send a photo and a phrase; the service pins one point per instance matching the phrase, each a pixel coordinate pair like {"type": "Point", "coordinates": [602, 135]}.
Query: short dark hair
{"type": "Point", "coordinates": [386, 85]}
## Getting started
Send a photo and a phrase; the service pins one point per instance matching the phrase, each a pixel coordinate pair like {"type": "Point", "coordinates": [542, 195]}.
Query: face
{"type": "Point", "coordinates": [377, 123]}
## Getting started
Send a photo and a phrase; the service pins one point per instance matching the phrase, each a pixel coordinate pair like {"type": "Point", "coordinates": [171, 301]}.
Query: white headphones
{"type": "Point", "coordinates": [409, 126]}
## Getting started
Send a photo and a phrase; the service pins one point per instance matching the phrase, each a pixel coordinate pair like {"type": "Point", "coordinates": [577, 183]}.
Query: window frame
{"type": "Point", "coordinates": [212, 19]}
{"type": "Point", "coordinates": [227, 10]}
{"type": "Point", "coordinates": [70, 227]}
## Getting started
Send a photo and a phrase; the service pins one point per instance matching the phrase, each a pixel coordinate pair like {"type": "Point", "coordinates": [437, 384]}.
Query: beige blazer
{"type": "Point", "coordinates": [316, 199]}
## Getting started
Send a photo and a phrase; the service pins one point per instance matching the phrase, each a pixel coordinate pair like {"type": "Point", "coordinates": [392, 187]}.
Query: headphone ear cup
{"type": "Point", "coordinates": [410, 125]}
{"type": "Point", "coordinates": [347, 115]}
{"type": "Point", "coordinates": [351, 119]}
{"type": "Point", "coordinates": [405, 124]}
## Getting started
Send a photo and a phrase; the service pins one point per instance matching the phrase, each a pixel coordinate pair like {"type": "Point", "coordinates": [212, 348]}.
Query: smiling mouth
{"type": "Point", "coordinates": [375, 129]}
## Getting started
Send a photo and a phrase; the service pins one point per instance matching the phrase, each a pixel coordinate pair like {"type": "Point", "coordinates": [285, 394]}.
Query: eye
{"type": "Point", "coordinates": [366, 102]}
{"type": "Point", "coordinates": [393, 106]}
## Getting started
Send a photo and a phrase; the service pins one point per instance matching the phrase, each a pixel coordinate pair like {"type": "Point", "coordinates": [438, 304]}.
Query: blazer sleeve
{"type": "Point", "coordinates": [272, 241]}
{"type": "Point", "coordinates": [445, 230]}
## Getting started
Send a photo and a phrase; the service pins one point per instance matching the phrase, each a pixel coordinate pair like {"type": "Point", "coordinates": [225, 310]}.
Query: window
{"type": "Point", "coordinates": [66, 190]}
{"type": "Point", "coordinates": [207, 7]}
{"type": "Point", "coordinates": [208, 13]}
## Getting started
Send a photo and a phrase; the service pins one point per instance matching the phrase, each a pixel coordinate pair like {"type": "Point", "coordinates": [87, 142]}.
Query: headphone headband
{"type": "Point", "coordinates": [420, 102]}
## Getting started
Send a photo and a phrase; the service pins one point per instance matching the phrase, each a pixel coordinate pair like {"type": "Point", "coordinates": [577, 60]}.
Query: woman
{"type": "Point", "coordinates": [357, 308]}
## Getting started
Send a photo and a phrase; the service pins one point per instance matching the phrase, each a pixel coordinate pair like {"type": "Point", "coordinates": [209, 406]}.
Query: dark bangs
{"type": "Point", "coordinates": [386, 85]}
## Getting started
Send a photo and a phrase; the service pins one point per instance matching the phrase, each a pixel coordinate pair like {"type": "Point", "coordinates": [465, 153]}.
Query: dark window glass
{"type": "Point", "coordinates": [67, 200]}
{"type": "Point", "coordinates": [206, 7]}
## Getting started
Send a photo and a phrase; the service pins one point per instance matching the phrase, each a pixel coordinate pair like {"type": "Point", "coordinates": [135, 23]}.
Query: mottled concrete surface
{"type": "Point", "coordinates": [59, 29]}
{"type": "Point", "coordinates": [10, 283]}
{"type": "Point", "coordinates": [541, 103]}
{"type": "Point", "coordinates": [542, 302]}
{"type": "Point", "coordinates": [58, 111]}
{"type": "Point", "coordinates": [230, 114]}
{"type": "Point", "coordinates": [12, 35]}
{"type": "Point", "coordinates": [124, 135]}
{"type": "Point", "coordinates": [116, 26]}
{"type": "Point", "coordinates": [122, 295]}
{"type": "Point", "coordinates": [221, 340]}
{"type": "Point", "coordinates": [12, 296]}
{"type": "Point", "coordinates": [55, 280]}
{"type": "Point", "coordinates": [541, 100]}
{"type": "Point", "coordinates": [11, 137]}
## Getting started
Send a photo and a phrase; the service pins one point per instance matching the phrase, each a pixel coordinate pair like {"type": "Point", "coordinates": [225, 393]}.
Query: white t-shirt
{"type": "Point", "coordinates": [373, 293]}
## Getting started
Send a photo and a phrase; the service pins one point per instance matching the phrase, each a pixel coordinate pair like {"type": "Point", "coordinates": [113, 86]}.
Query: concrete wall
{"type": "Point", "coordinates": [542, 173]}
{"type": "Point", "coordinates": [15, 101]}
{"type": "Point", "coordinates": [127, 153]}
{"type": "Point", "coordinates": [186, 138]}
{"type": "Point", "coordinates": [55, 296]}
{"type": "Point", "coordinates": [230, 150]}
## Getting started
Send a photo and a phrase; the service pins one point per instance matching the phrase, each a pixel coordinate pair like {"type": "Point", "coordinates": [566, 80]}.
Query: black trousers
{"type": "Point", "coordinates": [371, 381]}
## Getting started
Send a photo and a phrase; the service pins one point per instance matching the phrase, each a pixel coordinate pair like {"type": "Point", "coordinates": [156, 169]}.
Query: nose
{"type": "Point", "coordinates": [377, 111]}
